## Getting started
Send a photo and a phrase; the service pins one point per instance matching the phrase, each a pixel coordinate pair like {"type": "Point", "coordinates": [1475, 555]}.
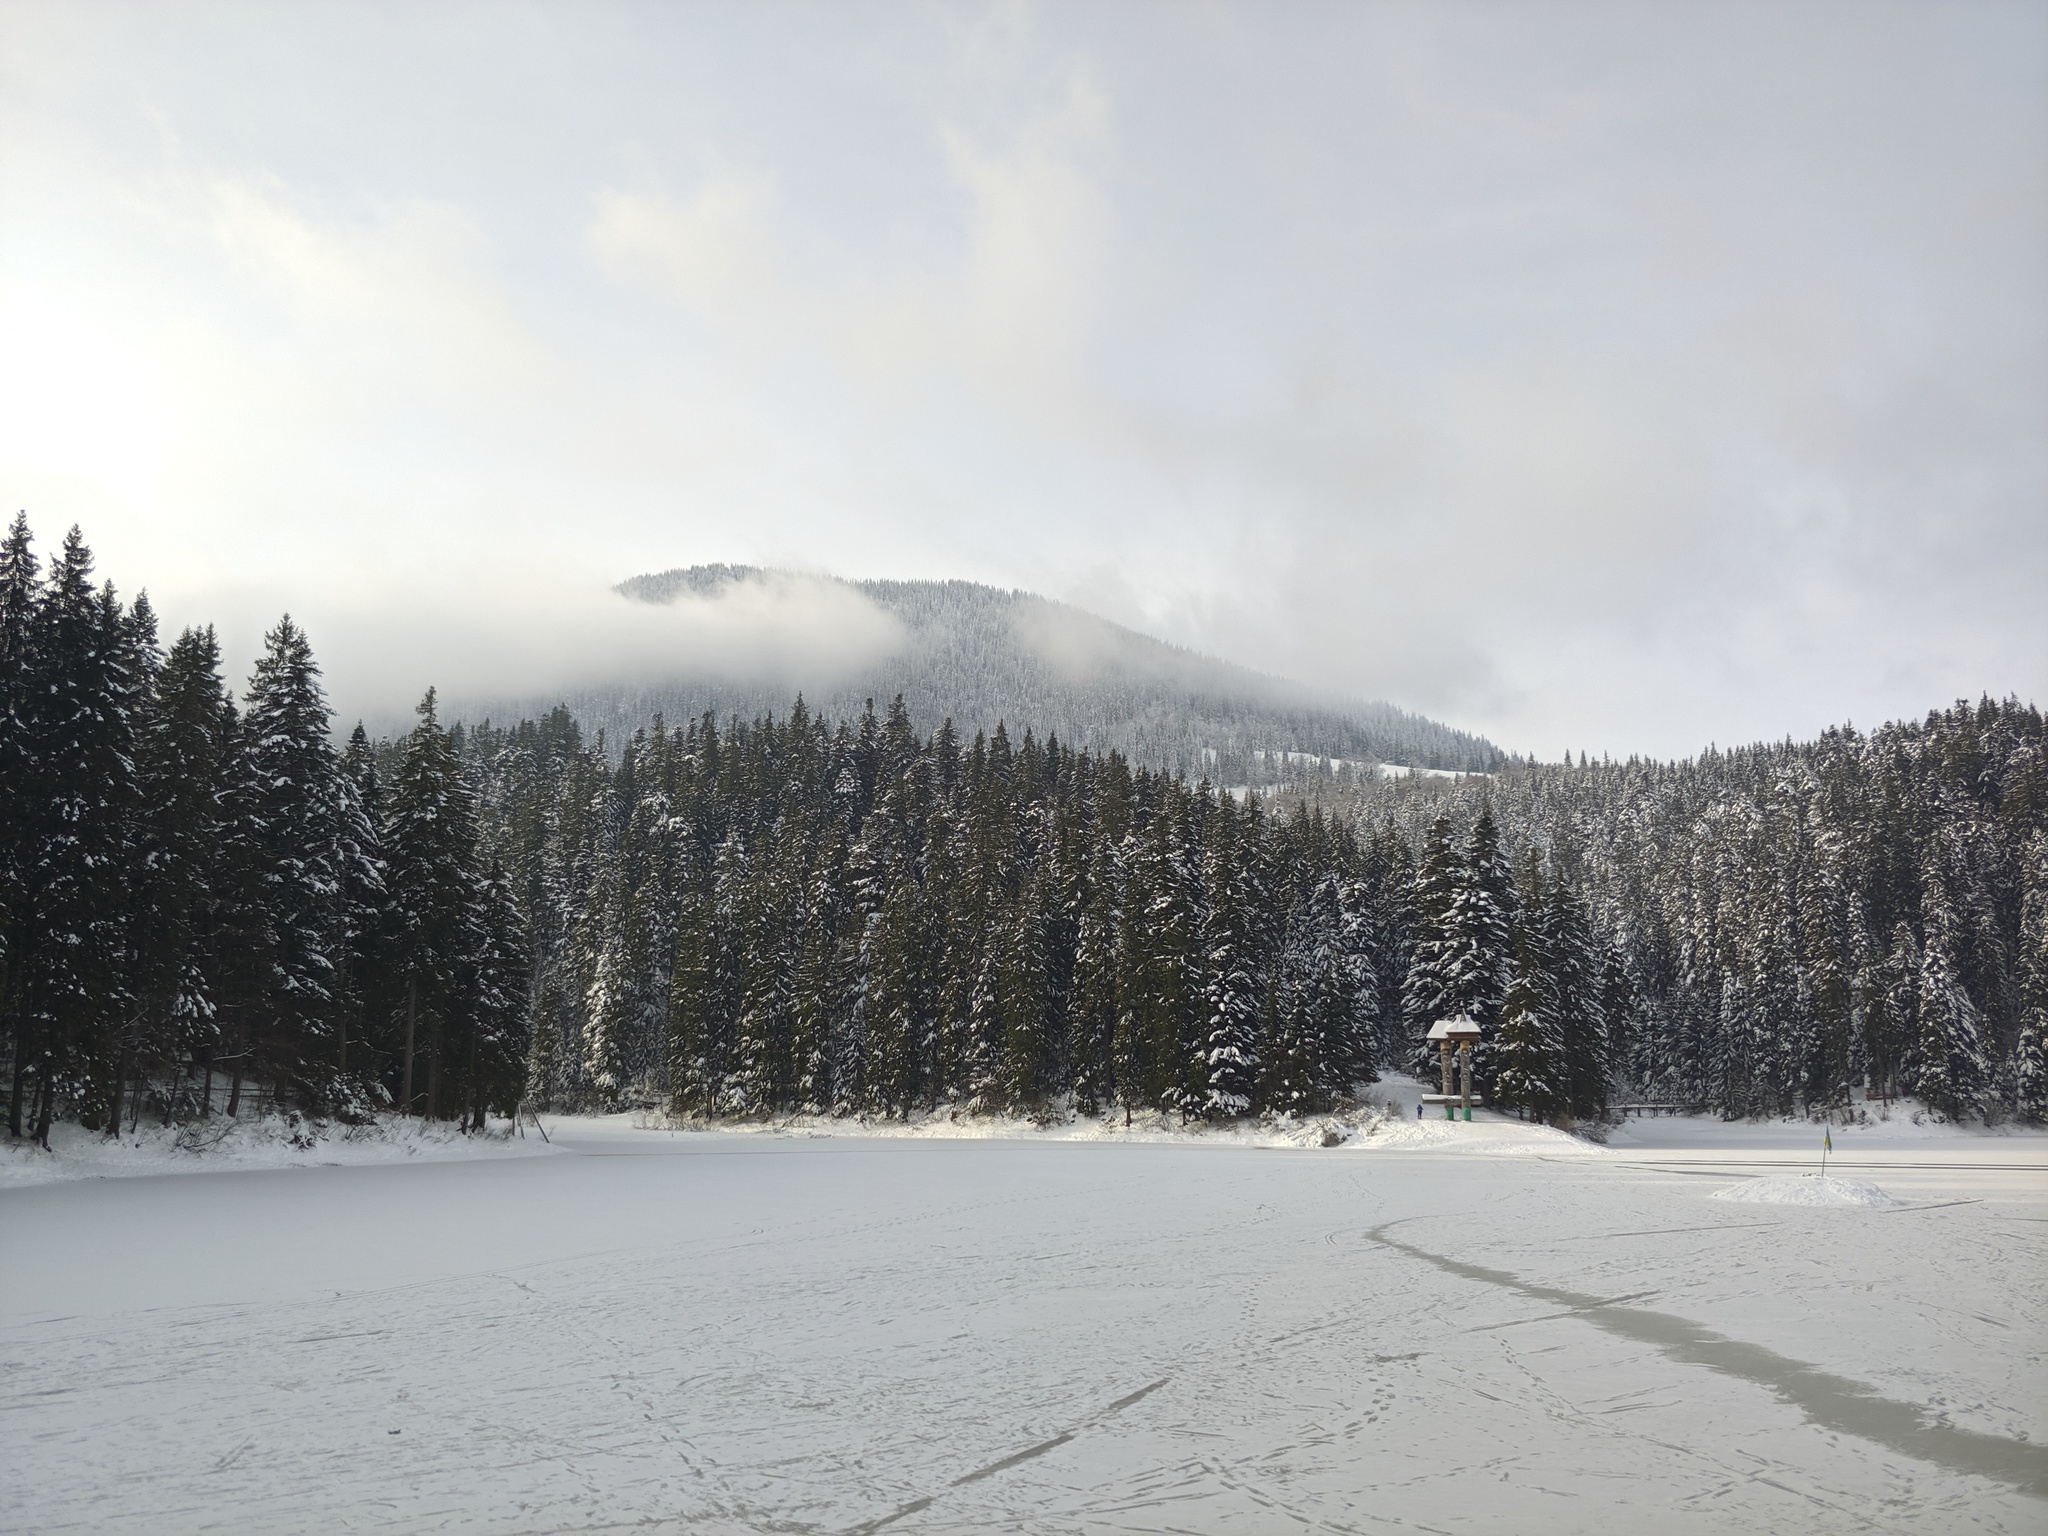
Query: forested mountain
{"type": "Point", "coordinates": [852, 915]}
{"type": "Point", "coordinates": [978, 656]}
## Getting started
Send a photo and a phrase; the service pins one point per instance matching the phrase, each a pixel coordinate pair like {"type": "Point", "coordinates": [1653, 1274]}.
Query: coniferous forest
{"type": "Point", "coordinates": [206, 902]}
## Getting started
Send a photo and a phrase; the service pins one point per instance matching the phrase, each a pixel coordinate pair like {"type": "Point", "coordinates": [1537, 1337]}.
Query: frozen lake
{"type": "Point", "coordinates": [724, 1332]}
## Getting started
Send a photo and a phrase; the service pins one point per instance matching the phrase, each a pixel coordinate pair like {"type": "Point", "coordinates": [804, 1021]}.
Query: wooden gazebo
{"type": "Point", "coordinates": [1460, 1031]}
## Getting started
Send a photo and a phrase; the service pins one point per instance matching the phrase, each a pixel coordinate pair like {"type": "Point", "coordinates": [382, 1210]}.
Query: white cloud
{"type": "Point", "coordinates": [716, 253]}
{"type": "Point", "coordinates": [507, 633]}
{"type": "Point", "coordinates": [1603, 376]}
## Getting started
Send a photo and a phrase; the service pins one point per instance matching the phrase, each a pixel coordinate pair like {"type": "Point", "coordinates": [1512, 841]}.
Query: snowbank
{"type": "Point", "coordinates": [947, 1123]}
{"type": "Point", "coordinates": [1386, 1122]}
{"type": "Point", "coordinates": [271, 1141]}
{"type": "Point", "coordinates": [1806, 1189]}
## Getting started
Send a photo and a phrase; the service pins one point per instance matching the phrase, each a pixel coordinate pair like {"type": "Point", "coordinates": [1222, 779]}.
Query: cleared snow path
{"type": "Point", "coordinates": [747, 1332]}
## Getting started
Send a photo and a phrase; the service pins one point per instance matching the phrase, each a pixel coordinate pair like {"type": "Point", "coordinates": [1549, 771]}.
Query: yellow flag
{"type": "Point", "coordinates": [1827, 1140]}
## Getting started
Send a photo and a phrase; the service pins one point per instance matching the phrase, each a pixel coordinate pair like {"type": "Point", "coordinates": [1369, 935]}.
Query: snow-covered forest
{"type": "Point", "coordinates": [1798, 920]}
{"type": "Point", "coordinates": [201, 900]}
{"type": "Point", "coordinates": [206, 898]}
{"type": "Point", "coordinates": [848, 918]}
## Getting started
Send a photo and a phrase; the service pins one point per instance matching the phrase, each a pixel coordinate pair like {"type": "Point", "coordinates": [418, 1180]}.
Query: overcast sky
{"type": "Point", "coordinates": [1618, 377]}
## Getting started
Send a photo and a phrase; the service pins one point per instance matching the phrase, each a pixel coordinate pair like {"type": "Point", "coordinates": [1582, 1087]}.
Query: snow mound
{"type": "Point", "coordinates": [1806, 1189]}
{"type": "Point", "coordinates": [268, 1141]}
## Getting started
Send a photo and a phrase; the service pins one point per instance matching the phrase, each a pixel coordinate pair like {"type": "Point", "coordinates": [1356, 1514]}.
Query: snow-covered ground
{"type": "Point", "coordinates": [1385, 1122]}
{"type": "Point", "coordinates": [822, 1328]}
{"type": "Point", "coordinates": [271, 1141]}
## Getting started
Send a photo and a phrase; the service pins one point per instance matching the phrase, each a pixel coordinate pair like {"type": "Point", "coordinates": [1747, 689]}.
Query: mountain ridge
{"type": "Point", "coordinates": [979, 654]}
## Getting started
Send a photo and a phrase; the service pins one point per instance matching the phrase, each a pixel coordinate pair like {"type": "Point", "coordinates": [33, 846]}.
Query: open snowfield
{"type": "Point", "coordinates": [1433, 1327]}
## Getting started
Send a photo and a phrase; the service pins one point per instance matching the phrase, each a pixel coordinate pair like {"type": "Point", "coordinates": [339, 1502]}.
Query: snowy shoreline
{"type": "Point", "coordinates": [222, 1145]}
{"type": "Point", "coordinates": [1384, 1123]}
{"type": "Point", "coordinates": [1368, 1128]}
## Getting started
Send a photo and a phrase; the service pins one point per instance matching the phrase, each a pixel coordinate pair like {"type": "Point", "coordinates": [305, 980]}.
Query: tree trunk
{"type": "Point", "coordinates": [46, 1108]}
{"type": "Point", "coordinates": [475, 1113]}
{"type": "Point", "coordinates": [206, 1093]}
{"type": "Point", "coordinates": [412, 1013]}
{"type": "Point", "coordinates": [234, 1103]}
{"type": "Point", "coordinates": [114, 1095]}
{"type": "Point", "coordinates": [14, 1098]}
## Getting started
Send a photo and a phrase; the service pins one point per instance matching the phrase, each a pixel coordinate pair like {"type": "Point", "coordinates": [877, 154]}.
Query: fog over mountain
{"type": "Point", "coordinates": [980, 656]}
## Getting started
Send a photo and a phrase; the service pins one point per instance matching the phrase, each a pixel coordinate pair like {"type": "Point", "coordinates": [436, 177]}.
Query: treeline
{"type": "Point", "coordinates": [1795, 923]}
{"type": "Point", "coordinates": [852, 917]}
{"type": "Point", "coordinates": [847, 918]}
{"type": "Point", "coordinates": [198, 895]}
{"type": "Point", "coordinates": [792, 915]}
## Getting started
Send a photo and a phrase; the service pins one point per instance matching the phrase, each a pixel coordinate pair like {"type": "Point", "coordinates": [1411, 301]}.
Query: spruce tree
{"type": "Point", "coordinates": [243, 939]}
{"type": "Point", "coordinates": [361, 1002]}
{"type": "Point", "coordinates": [2030, 1048]}
{"type": "Point", "coordinates": [1573, 1003]}
{"type": "Point", "coordinates": [696, 1004]}
{"type": "Point", "coordinates": [21, 788]}
{"type": "Point", "coordinates": [1356, 941]}
{"type": "Point", "coordinates": [430, 847]}
{"type": "Point", "coordinates": [766, 918]}
{"type": "Point", "coordinates": [1024, 1002]}
{"type": "Point", "coordinates": [899, 1002]}
{"type": "Point", "coordinates": [1235, 987]}
{"type": "Point", "coordinates": [66, 938]}
{"type": "Point", "coordinates": [487, 1046]}
{"type": "Point", "coordinates": [1096, 1006]}
{"type": "Point", "coordinates": [1430, 992]}
{"type": "Point", "coordinates": [1305, 1050]}
{"type": "Point", "coordinates": [181, 821]}
{"type": "Point", "coordinates": [1890, 1017]}
{"type": "Point", "coordinates": [631, 924]}
{"type": "Point", "coordinates": [292, 800]}
{"type": "Point", "coordinates": [1482, 918]}
{"type": "Point", "coordinates": [822, 1007]}
{"type": "Point", "coordinates": [1390, 878]}
{"type": "Point", "coordinates": [1949, 1069]}
{"type": "Point", "coordinates": [1528, 1075]}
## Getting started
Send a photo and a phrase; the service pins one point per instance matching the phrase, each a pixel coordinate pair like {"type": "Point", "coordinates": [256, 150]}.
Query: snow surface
{"type": "Point", "coordinates": [220, 1144]}
{"type": "Point", "coordinates": [1806, 1189]}
{"type": "Point", "coordinates": [1429, 1326]}
{"type": "Point", "coordinates": [1385, 1122]}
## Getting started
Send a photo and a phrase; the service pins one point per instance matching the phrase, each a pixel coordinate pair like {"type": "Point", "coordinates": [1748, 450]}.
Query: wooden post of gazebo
{"type": "Point", "coordinates": [1460, 1032]}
